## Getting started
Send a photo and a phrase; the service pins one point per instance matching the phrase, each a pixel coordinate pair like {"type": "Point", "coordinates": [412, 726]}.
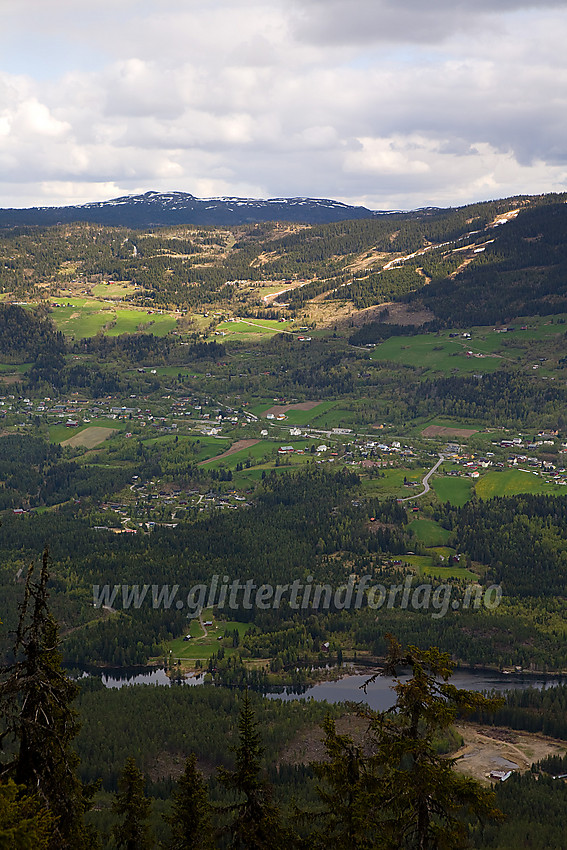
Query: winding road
{"type": "Point", "coordinates": [425, 482]}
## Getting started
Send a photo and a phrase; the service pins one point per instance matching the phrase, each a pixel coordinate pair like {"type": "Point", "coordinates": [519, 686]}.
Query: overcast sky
{"type": "Point", "coordinates": [393, 104]}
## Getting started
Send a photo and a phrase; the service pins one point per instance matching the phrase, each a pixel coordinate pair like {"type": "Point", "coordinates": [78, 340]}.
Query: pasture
{"type": "Point", "coordinates": [511, 482]}
{"type": "Point", "coordinates": [429, 532]}
{"type": "Point", "coordinates": [391, 483]}
{"type": "Point", "coordinates": [113, 291]}
{"type": "Point", "coordinates": [434, 353]}
{"type": "Point", "coordinates": [249, 328]}
{"type": "Point", "coordinates": [301, 413]}
{"type": "Point", "coordinates": [62, 435]}
{"type": "Point", "coordinates": [89, 437]}
{"type": "Point", "coordinates": [201, 647]}
{"type": "Point", "coordinates": [456, 491]}
{"type": "Point", "coordinates": [85, 317]}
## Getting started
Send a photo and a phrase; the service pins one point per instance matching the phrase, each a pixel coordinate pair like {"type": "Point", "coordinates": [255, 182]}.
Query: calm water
{"type": "Point", "coordinates": [379, 695]}
{"type": "Point", "coordinates": [150, 676]}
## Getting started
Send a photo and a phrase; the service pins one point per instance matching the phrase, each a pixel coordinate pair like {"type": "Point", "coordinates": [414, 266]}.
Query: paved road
{"type": "Point", "coordinates": [425, 482]}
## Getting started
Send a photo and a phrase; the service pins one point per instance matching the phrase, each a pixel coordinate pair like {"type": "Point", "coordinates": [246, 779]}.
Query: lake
{"type": "Point", "coordinates": [379, 695]}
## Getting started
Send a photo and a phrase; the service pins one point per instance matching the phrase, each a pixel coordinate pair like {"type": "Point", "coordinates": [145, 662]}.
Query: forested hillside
{"type": "Point", "coordinates": [245, 470]}
{"type": "Point", "coordinates": [474, 271]}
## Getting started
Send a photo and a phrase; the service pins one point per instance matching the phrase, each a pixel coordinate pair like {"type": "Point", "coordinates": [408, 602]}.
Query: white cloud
{"type": "Point", "coordinates": [380, 103]}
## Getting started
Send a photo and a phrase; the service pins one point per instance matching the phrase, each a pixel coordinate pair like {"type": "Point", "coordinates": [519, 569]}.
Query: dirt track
{"type": "Point", "coordinates": [238, 446]}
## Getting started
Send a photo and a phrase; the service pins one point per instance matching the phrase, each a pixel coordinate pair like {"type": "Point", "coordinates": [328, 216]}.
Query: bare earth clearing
{"type": "Point", "coordinates": [441, 431]}
{"type": "Point", "coordinates": [486, 748]}
{"type": "Point", "coordinates": [489, 748]}
{"type": "Point", "coordinates": [238, 446]}
{"type": "Point", "coordinates": [278, 409]}
{"type": "Point", "coordinates": [90, 437]}
{"type": "Point", "coordinates": [398, 314]}
{"type": "Point", "coordinates": [308, 745]}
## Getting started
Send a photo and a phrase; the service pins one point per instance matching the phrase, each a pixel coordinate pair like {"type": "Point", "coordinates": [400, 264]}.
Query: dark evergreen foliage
{"type": "Point", "coordinates": [36, 697]}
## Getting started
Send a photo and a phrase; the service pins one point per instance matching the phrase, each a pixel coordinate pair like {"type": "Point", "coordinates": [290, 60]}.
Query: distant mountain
{"type": "Point", "coordinates": [155, 209]}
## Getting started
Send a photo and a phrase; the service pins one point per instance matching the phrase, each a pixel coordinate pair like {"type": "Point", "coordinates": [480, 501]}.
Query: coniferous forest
{"type": "Point", "coordinates": [262, 463]}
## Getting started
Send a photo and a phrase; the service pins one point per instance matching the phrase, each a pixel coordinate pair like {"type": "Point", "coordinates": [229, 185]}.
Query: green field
{"type": "Point", "coordinates": [174, 371]}
{"type": "Point", "coordinates": [333, 416]}
{"type": "Point", "coordinates": [130, 321]}
{"type": "Point", "coordinates": [262, 450]}
{"type": "Point", "coordinates": [429, 532]}
{"type": "Point", "coordinates": [449, 573]}
{"type": "Point", "coordinates": [425, 566]}
{"type": "Point", "coordinates": [247, 478]}
{"type": "Point", "coordinates": [511, 482]}
{"type": "Point", "coordinates": [207, 447]}
{"type": "Point", "coordinates": [200, 647]}
{"type": "Point", "coordinates": [252, 327]}
{"type": "Point", "coordinates": [113, 290]}
{"type": "Point", "coordinates": [456, 491]}
{"type": "Point", "coordinates": [434, 353]}
{"type": "Point", "coordinates": [85, 317]}
{"type": "Point", "coordinates": [301, 417]}
{"type": "Point", "coordinates": [392, 484]}
{"type": "Point", "coordinates": [11, 368]}
{"type": "Point", "coordinates": [440, 353]}
{"type": "Point", "coordinates": [81, 317]}
{"type": "Point", "coordinates": [59, 433]}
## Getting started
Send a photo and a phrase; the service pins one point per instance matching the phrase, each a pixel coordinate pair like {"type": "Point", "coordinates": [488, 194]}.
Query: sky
{"type": "Point", "coordinates": [391, 104]}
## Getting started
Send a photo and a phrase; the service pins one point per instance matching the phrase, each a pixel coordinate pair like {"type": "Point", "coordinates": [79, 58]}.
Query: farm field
{"type": "Point", "coordinates": [442, 354]}
{"type": "Point", "coordinates": [85, 317]}
{"type": "Point", "coordinates": [236, 448]}
{"type": "Point", "coordinates": [449, 573]}
{"type": "Point", "coordinates": [424, 566]}
{"type": "Point", "coordinates": [456, 491]}
{"type": "Point", "coordinates": [448, 431]}
{"type": "Point", "coordinates": [434, 353]}
{"type": "Point", "coordinates": [174, 371]}
{"type": "Point", "coordinates": [333, 416]}
{"type": "Point", "coordinates": [511, 482]}
{"type": "Point", "coordinates": [60, 433]}
{"type": "Point", "coordinates": [90, 437]}
{"type": "Point", "coordinates": [391, 484]}
{"type": "Point", "coordinates": [302, 413]}
{"type": "Point", "coordinates": [20, 368]}
{"type": "Point", "coordinates": [130, 321]}
{"type": "Point", "coordinates": [429, 532]}
{"type": "Point", "coordinates": [252, 328]}
{"type": "Point", "coordinates": [113, 290]}
{"type": "Point", "coordinates": [204, 447]}
{"type": "Point", "coordinates": [200, 647]}
{"type": "Point", "coordinates": [81, 317]}
{"type": "Point", "coordinates": [259, 450]}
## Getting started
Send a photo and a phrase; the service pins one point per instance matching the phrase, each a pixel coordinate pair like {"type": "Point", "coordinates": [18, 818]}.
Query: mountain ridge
{"type": "Point", "coordinates": [162, 209]}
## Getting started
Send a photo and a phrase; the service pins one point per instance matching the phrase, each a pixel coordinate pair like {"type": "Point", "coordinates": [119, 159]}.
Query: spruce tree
{"type": "Point", "coordinates": [36, 698]}
{"type": "Point", "coordinates": [24, 823]}
{"type": "Point", "coordinates": [426, 804]}
{"type": "Point", "coordinates": [190, 818]}
{"type": "Point", "coordinates": [350, 792]}
{"type": "Point", "coordinates": [256, 821]}
{"type": "Point", "coordinates": [133, 807]}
